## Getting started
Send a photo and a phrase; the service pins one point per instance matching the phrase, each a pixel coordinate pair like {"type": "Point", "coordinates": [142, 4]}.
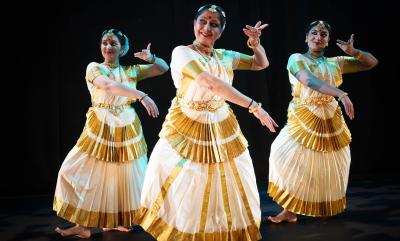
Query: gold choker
{"type": "Point", "coordinates": [203, 49]}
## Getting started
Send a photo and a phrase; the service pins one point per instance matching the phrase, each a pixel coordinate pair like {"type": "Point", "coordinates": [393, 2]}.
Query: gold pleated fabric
{"type": "Point", "coordinates": [310, 159]}
{"type": "Point", "coordinates": [296, 205]}
{"type": "Point", "coordinates": [317, 133]}
{"type": "Point", "coordinates": [200, 183]}
{"type": "Point", "coordinates": [305, 181]}
{"type": "Point", "coordinates": [96, 219]}
{"type": "Point", "coordinates": [95, 193]}
{"type": "Point", "coordinates": [101, 179]}
{"type": "Point", "coordinates": [198, 202]}
{"type": "Point", "coordinates": [159, 229]}
{"type": "Point", "coordinates": [112, 144]}
{"type": "Point", "coordinates": [203, 142]}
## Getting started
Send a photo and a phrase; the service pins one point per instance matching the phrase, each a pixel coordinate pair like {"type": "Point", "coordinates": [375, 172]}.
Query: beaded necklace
{"type": "Point", "coordinates": [199, 47]}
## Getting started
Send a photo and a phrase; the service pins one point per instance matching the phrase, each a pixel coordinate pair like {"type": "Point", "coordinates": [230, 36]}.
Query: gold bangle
{"type": "Point", "coordinates": [358, 54]}
{"type": "Point", "coordinates": [342, 96]}
{"type": "Point", "coordinates": [254, 45]}
{"type": "Point", "coordinates": [253, 109]}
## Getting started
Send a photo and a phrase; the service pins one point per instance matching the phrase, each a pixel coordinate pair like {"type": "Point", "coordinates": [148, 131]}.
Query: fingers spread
{"type": "Point", "coordinates": [341, 41]}
{"type": "Point", "coordinates": [351, 40]}
{"type": "Point", "coordinates": [263, 26]}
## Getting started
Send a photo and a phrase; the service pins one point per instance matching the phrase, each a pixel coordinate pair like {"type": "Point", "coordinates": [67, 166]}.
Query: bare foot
{"type": "Point", "coordinates": [78, 231]}
{"type": "Point", "coordinates": [284, 216]}
{"type": "Point", "coordinates": [119, 228]}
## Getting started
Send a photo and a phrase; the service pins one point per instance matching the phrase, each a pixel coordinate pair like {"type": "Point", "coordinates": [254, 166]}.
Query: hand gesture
{"type": "Point", "coordinates": [348, 107]}
{"type": "Point", "coordinates": [347, 47]}
{"type": "Point", "coordinates": [265, 119]}
{"type": "Point", "coordinates": [150, 106]}
{"type": "Point", "coordinates": [254, 32]}
{"type": "Point", "coordinates": [145, 54]}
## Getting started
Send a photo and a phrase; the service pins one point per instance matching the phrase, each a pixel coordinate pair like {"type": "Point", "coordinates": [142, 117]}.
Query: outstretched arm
{"type": "Point", "coordinates": [229, 93]}
{"type": "Point", "coordinates": [118, 89]}
{"type": "Point", "coordinates": [308, 79]}
{"type": "Point", "coordinates": [366, 60]}
{"type": "Point", "coordinates": [260, 57]}
{"type": "Point", "coordinates": [159, 66]}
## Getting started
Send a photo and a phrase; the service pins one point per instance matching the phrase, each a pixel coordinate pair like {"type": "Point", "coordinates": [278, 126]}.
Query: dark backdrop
{"type": "Point", "coordinates": [47, 97]}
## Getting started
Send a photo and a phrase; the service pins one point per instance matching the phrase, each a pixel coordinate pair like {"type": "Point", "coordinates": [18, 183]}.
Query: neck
{"type": "Point", "coordinates": [315, 54]}
{"type": "Point", "coordinates": [111, 63]}
{"type": "Point", "coordinates": [203, 48]}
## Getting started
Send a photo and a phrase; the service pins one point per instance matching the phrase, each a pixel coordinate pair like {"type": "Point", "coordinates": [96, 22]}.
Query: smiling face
{"type": "Point", "coordinates": [207, 28]}
{"type": "Point", "coordinates": [317, 38]}
{"type": "Point", "coordinates": [110, 48]}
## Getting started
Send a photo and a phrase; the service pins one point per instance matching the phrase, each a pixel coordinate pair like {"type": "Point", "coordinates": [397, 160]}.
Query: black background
{"type": "Point", "coordinates": [46, 50]}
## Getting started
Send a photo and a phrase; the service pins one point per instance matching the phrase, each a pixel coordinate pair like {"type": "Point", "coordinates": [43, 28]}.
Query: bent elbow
{"type": "Point", "coordinates": [375, 63]}
{"type": "Point", "coordinates": [163, 69]}
{"type": "Point", "coordinates": [370, 65]}
{"type": "Point", "coordinates": [260, 66]}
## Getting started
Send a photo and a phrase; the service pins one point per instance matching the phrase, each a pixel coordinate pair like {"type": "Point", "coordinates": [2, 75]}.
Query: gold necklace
{"type": "Point", "coordinates": [315, 59]}
{"type": "Point", "coordinates": [111, 65]}
{"type": "Point", "coordinates": [201, 48]}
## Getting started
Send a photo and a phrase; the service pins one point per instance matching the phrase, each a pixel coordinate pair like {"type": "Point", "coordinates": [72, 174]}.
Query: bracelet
{"type": "Point", "coordinates": [253, 109]}
{"type": "Point", "coordinates": [251, 102]}
{"type": "Point", "coordinates": [254, 45]}
{"type": "Point", "coordinates": [153, 59]}
{"type": "Point", "coordinates": [358, 54]}
{"type": "Point", "coordinates": [144, 96]}
{"type": "Point", "coordinates": [342, 96]}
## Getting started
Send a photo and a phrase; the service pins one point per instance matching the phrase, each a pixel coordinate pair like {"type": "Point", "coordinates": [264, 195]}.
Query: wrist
{"type": "Point", "coordinates": [142, 98]}
{"type": "Point", "coordinates": [152, 59]}
{"type": "Point", "coordinates": [254, 107]}
{"type": "Point", "coordinates": [356, 53]}
{"type": "Point", "coordinates": [253, 43]}
{"type": "Point", "coordinates": [342, 96]}
{"type": "Point", "coordinates": [251, 102]}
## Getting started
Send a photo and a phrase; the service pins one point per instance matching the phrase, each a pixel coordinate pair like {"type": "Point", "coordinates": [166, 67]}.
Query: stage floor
{"type": "Point", "coordinates": [372, 214]}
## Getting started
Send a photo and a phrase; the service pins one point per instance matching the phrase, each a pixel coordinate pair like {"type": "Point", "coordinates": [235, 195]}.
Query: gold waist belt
{"type": "Point", "coordinates": [209, 105]}
{"type": "Point", "coordinates": [114, 109]}
{"type": "Point", "coordinates": [110, 106]}
{"type": "Point", "coordinates": [312, 100]}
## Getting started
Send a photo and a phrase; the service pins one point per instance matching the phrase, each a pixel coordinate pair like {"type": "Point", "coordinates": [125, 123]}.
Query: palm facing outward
{"type": "Point", "coordinates": [254, 32]}
{"type": "Point", "coordinates": [347, 47]}
{"type": "Point", "coordinates": [145, 54]}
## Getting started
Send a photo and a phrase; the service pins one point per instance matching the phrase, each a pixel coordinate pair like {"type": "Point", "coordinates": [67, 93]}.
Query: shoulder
{"type": "Point", "coordinates": [333, 59]}
{"type": "Point", "coordinates": [181, 49]}
{"type": "Point", "coordinates": [226, 52]}
{"type": "Point", "coordinates": [128, 68]}
{"type": "Point", "coordinates": [296, 57]}
{"type": "Point", "coordinates": [92, 65]}
{"type": "Point", "coordinates": [182, 55]}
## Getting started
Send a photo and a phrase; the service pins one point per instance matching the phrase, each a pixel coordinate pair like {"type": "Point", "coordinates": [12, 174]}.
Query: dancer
{"type": "Point", "coordinates": [310, 158]}
{"type": "Point", "coordinates": [100, 180]}
{"type": "Point", "coordinates": [200, 183]}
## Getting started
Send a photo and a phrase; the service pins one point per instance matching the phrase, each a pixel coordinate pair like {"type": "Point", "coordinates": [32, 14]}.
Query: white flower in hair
{"type": "Point", "coordinates": [213, 8]}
